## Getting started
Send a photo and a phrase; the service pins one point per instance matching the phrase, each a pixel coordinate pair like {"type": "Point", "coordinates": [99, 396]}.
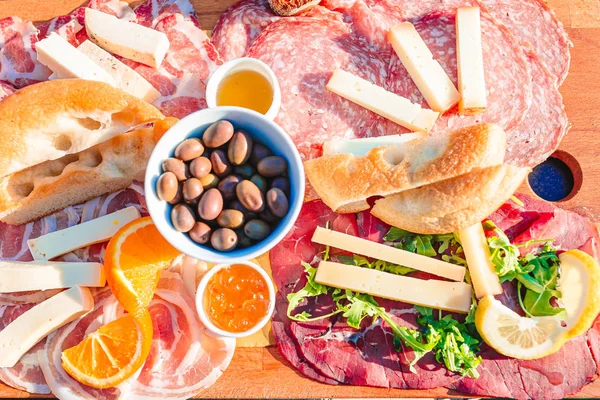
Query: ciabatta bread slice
{"type": "Point", "coordinates": [453, 204]}
{"type": "Point", "coordinates": [345, 181]}
{"type": "Point", "coordinates": [287, 8]}
{"type": "Point", "coordinates": [53, 185]}
{"type": "Point", "coordinates": [50, 120]}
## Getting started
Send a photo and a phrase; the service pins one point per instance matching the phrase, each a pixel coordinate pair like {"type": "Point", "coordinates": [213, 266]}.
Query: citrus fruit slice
{"type": "Point", "coordinates": [514, 336]}
{"type": "Point", "coordinates": [134, 260]}
{"type": "Point", "coordinates": [579, 284]}
{"type": "Point", "coordinates": [111, 354]}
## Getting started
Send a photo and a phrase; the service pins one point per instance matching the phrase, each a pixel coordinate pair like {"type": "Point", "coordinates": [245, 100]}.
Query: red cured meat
{"type": "Point", "coordinates": [239, 25]}
{"type": "Point", "coordinates": [150, 12]}
{"type": "Point", "coordinates": [303, 53]}
{"type": "Point", "coordinates": [544, 125]}
{"type": "Point", "coordinates": [536, 26]}
{"type": "Point", "coordinates": [26, 374]}
{"type": "Point", "coordinates": [508, 79]}
{"type": "Point", "coordinates": [6, 89]}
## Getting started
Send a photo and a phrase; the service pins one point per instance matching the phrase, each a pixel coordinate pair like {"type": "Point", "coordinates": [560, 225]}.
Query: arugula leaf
{"type": "Point", "coordinates": [379, 265]}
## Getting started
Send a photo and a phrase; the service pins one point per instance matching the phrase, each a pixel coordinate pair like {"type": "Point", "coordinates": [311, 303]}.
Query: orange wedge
{"type": "Point", "coordinates": [112, 354]}
{"type": "Point", "coordinates": [133, 262]}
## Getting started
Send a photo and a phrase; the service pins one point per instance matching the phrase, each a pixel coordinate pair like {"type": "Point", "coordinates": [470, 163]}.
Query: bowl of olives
{"type": "Point", "coordinates": [224, 184]}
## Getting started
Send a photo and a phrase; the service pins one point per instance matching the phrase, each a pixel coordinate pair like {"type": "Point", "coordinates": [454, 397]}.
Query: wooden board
{"type": "Point", "coordinates": [262, 373]}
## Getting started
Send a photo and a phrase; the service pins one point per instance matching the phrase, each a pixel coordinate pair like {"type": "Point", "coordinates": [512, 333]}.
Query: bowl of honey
{"type": "Point", "coordinates": [235, 300]}
{"type": "Point", "coordinates": [245, 82]}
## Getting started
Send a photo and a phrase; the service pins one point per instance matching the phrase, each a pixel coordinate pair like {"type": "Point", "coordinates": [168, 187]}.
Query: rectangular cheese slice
{"type": "Point", "coordinates": [126, 78]}
{"type": "Point", "coordinates": [390, 254]}
{"type": "Point", "coordinates": [127, 39]}
{"type": "Point", "coordinates": [471, 79]}
{"type": "Point", "coordinates": [442, 295]}
{"type": "Point", "coordinates": [387, 104]}
{"type": "Point", "coordinates": [44, 275]}
{"type": "Point", "coordinates": [64, 241]}
{"type": "Point", "coordinates": [35, 324]}
{"type": "Point", "coordinates": [479, 261]}
{"type": "Point", "coordinates": [66, 62]}
{"type": "Point", "coordinates": [427, 73]}
{"type": "Point", "coordinates": [360, 147]}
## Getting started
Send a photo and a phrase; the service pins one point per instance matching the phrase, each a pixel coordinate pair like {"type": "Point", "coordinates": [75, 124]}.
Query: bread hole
{"type": "Point", "coordinates": [56, 167]}
{"type": "Point", "coordinates": [23, 190]}
{"type": "Point", "coordinates": [89, 123]}
{"type": "Point", "coordinates": [91, 158]}
{"type": "Point", "coordinates": [63, 142]}
{"type": "Point", "coordinates": [394, 155]}
{"type": "Point", "coordinates": [559, 178]}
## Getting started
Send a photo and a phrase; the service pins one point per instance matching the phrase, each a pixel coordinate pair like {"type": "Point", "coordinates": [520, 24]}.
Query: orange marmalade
{"type": "Point", "coordinates": [246, 88]}
{"type": "Point", "coordinates": [236, 298]}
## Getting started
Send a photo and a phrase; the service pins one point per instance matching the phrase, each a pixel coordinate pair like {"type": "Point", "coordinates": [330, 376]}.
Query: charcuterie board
{"type": "Point", "coordinates": [262, 372]}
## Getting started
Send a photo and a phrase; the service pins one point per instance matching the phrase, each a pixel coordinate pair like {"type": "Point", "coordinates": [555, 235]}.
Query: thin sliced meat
{"type": "Point", "coordinates": [150, 12]}
{"type": "Point", "coordinates": [6, 89]}
{"type": "Point", "coordinates": [239, 25]}
{"type": "Point", "coordinates": [18, 59]}
{"type": "Point", "coordinates": [544, 125]}
{"type": "Point", "coordinates": [185, 357]}
{"type": "Point", "coordinates": [303, 53]}
{"type": "Point", "coordinates": [508, 78]}
{"type": "Point", "coordinates": [535, 25]}
{"type": "Point", "coordinates": [26, 374]}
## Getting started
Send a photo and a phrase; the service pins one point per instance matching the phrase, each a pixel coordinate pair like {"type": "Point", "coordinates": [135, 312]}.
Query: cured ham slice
{"type": "Point", "coordinates": [184, 358]}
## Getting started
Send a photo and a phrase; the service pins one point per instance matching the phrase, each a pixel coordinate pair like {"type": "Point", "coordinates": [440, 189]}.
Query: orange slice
{"type": "Point", "coordinates": [112, 354]}
{"type": "Point", "coordinates": [134, 260]}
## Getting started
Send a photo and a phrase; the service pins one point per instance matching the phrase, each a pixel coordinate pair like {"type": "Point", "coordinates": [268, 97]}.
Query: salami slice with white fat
{"type": "Point", "coordinates": [535, 25]}
{"type": "Point", "coordinates": [508, 77]}
{"type": "Point", "coordinates": [544, 125]}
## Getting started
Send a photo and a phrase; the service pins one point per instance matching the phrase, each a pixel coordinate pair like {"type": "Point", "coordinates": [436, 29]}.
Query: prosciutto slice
{"type": "Point", "coordinates": [184, 358]}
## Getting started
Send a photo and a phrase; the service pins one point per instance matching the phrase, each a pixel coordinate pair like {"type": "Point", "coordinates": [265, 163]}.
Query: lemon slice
{"type": "Point", "coordinates": [579, 284]}
{"type": "Point", "coordinates": [514, 336]}
{"type": "Point", "coordinates": [530, 338]}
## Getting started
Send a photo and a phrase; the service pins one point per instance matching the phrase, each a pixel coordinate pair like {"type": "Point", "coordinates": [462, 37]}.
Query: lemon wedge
{"type": "Point", "coordinates": [530, 338]}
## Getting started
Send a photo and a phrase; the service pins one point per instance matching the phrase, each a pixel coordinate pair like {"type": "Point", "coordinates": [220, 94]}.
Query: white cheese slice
{"type": "Point", "coordinates": [35, 324]}
{"type": "Point", "coordinates": [443, 295]}
{"type": "Point", "coordinates": [390, 254]}
{"type": "Point", "coordinates": [66, 62]}
{"type": "Point", "coordinates": [126, 78]}
{"type": "Point", "coordinates": [97, 230]}
{"type": "Point", "coordinates": [360, 147]}
{"type": "Point", "coordinates": [44, 275]}
{"type": "Point", "coordinates": [471, 78]}
{"type": "Point", "coordinates": [479, 261]}
{"type": "Point", "coordinates": [427, 73]}
{"type": "Point", "coordinates": [387, 104]}
{"type": "Point", "coordinates": [127, 39]}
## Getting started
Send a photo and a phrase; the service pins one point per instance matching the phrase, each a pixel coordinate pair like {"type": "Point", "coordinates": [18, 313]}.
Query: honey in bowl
{"type": "Point", "coordinates": [246, 88]}
{"type": "Point", "coordinates": [236, 298]}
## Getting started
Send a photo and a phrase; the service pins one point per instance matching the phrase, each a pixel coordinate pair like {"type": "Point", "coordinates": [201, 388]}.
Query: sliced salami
{"type": "Point", "coordinates": [544, 125]}
{"type": "Point", "coordinates": [535, 25]}
{"type": "Point", "coordinates": [508, 78]}
{"type": "Point", "coordinates": [239, 25]}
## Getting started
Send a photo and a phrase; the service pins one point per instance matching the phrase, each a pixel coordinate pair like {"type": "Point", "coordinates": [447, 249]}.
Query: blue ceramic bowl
{"type": "Point", "coordinates": [262, 130]}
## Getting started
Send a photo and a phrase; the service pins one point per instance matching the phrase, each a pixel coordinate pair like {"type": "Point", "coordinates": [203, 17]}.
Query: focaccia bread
{"type": "Point", "coordinates": [53, 185]}
{"type": "Point", "coordinates": [453, 204]}
{"type": "Point", "coordinates": [50, 120]}
{"type": "Point", "coordinates": [345, 181]}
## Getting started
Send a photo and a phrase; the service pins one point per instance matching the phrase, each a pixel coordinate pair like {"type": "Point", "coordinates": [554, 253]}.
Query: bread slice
{"type": "Point", "coordinates": [50, 120]}
{"type": "Point", "coordinates": [453, 204]}
{"type": "Point", "coordinates": [345, 181]}
{"type": "Point", "coordinates": [53, 185]}
{"type": "Point", "coordinates": [287, 8]}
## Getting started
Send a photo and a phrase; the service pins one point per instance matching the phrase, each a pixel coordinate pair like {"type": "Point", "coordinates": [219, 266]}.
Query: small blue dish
{"type": "Point", "coordinates": [262, 130]}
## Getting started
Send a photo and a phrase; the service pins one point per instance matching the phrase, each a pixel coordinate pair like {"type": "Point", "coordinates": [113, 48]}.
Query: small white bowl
{"type": "Point", "coordinates": [200, 301]}
{"type": "Point", "coordinates": [261, 129]}
{"type": "Point", "coordinates": [240, 64]}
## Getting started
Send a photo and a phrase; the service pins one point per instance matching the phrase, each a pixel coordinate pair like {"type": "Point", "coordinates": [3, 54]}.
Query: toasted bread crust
{"type": "Point", "coordinates": [49, 120]}
{"type": "Point", "coordinates": [453, 204]}
{"type": "Point", "coordinates": [51, 186]}
{"type": "Point", "coordinates": [344, 181]}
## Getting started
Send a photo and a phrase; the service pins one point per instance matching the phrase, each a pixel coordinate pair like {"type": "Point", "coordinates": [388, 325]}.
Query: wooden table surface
{"type": "Point", "coordinates": [261, 372]}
